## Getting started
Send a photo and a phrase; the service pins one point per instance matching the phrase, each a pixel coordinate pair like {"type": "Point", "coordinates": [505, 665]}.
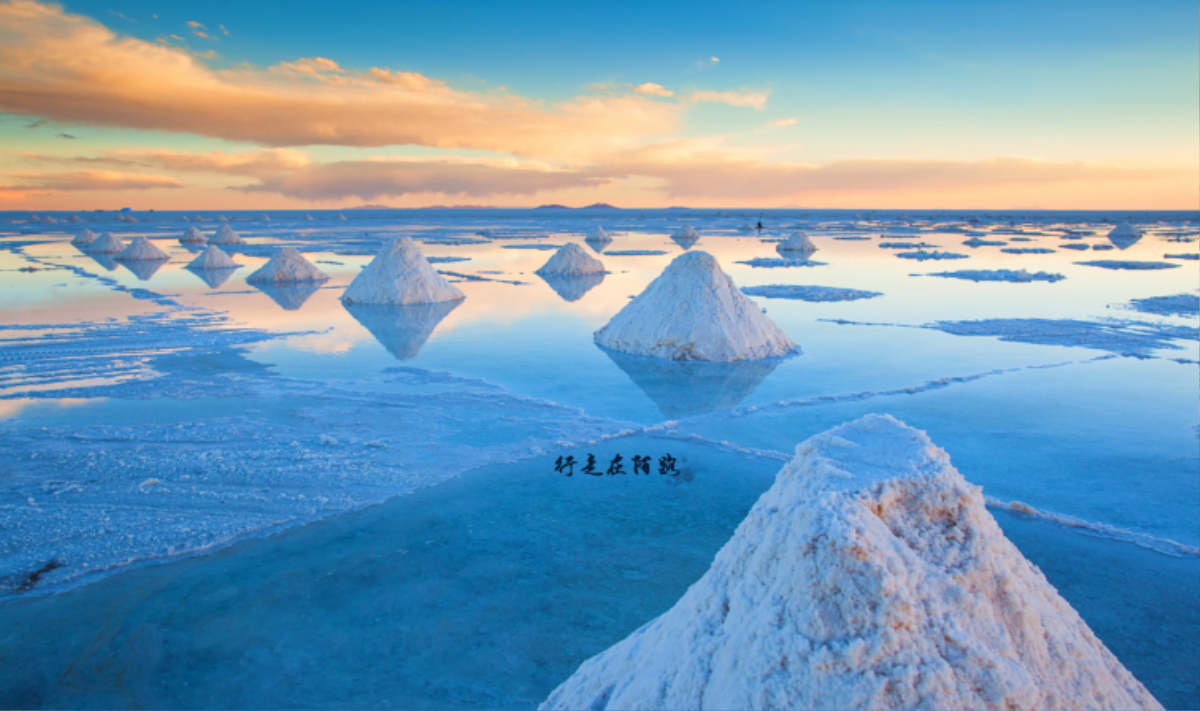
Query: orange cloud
{"type": "Point", "coordinates": [272, 161]}
{"type": "Point", "coordinates": [71, 68]}
{"type": "Point", "coordinates": [651, 89]}
{"type": "Point", "coordinates": [370, 179]}
{"type": "Point", "coordinates": [783, 122]}
{"type": "Point", "coordinates": [744, 97]}
{"type": "Point", "coordinates": [83, 180]}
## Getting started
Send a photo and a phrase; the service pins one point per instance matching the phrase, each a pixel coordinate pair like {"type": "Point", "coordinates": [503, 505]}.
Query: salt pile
{"type": "Point", "coordinates": [400, 274]}
{"type": "Point", "coordinates": [341, 217]}
{"type": "Point", "coordinates": [49, 220]}
{"type": "Point", "coordinates": [226, 235]}
{"type": "Point", "coordinates": [1125, 230]}
{"type": "Point", "coordinates": [693, 311]}
{"type": "Point", "coordinates": [192, 236]}
{"type": "Point", "coordinates": [685, 232]}
{"type": "Point", "coordinates": [198, 218]}
{"type": "Point", "coordinates": [73, 218]}
{"type": "Point", "coordinates": [797, 242]}
{"type": "Point", "coordinates": [308, 218]}
{"type": "Point", "coordinates": [869, 575]}
{"type": "Point", "coordinates": [599, 236]}
{"type": "Point", "coordinates": [287, 265]}
{"type": "Point", "coordinates": [571, 259]}
{"type": "Point", "coordinates": [213, 258]}
{"type": "Point", "coordinates": [106, 244]}
{"type": "Point", "coordinates": [222, 218]}
{"type": "Point", "coordinates": [84, 238]}
{"type": "Point", "coordinates": [264, 217]}
{"type": "Point", "coordinates": [142, 249]}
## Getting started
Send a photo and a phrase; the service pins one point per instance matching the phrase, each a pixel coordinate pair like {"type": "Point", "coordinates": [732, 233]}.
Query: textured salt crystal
{"type": "Point", "coordinates": [693, 311]}
{"type": "Point", "coordinates": [226, 235]}
{"type": "Point", "coordinates": [106, 244]}
{"type": "Point", "coordinates": [400, 274]}
{"type": "Point", "coordinates": [287, 265]}
{"type": "Point", "coordinates": [193, 235]}
{"type": "Point", "coordinates": [84, 238]}
{"type": "Point", "coordinates": [571, 259]}
{"type": "Point", "coordinates": [797, 242]}
{"type": "Point", "coordinates": [213, 258]}
{"type": "Point", "coordinates": [870, 575]}
{"type": "Point", "coordinates": [142, 249]}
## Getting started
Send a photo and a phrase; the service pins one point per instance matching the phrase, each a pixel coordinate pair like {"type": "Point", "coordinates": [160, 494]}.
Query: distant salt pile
{"type": "Point", "coordinates": [264, 217]}
{"type": "Point", "coordinates": [47, 220]}
{"type": "Point", "coordinates": [213, 258]}
{"type": "Point", "coordinates": [341, 217]}
{"type": "Point", "coordinates": [198, 218]}
{"type": "Point", "coordinates": [571, 259]}
{"type": "Point", "coordinates": [130, 218]}
{"type": "Point", "coordinates": [73, 218]}
{"type": "Point", "coordinates": [400, 274]}
{"type": "Point", "coordinates": [142, 249]}
{"type": "Point", "coordinates": [797, 243]}
{"type": "Point", "coordinates": [870, 575]}
{"type": "Point", "coordinates": [192, 235]}
{"type": "Point", "coordinates": [226, 235]}
{"type": "Point", "coordinates": [222, 218]}
{"type": "Point", "coordinates": [686, 232]}
{"type": "Point", "coordinates": [106, 244]}
{"type": "Point", "coordinates": [693, 311]}
{"type": "Point", "coordinates": [599, 235]}
{"type": "Point", "coordinates": [1124, 230]}
{"type": "Point", "coordinates": [308, 218]}
{"type": "Point", "coordinates": [84, 238]}
{"type": "Point", "coordinates": [287, 265]}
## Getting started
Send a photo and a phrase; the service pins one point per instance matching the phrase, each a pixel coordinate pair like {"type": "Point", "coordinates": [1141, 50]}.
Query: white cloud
{"type": "Point", "coordinates": [651, 89]}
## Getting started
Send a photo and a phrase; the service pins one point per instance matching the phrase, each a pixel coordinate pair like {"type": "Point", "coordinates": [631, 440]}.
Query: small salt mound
{"type": "Point", "coordinates": [73, 218]}
{"type": "Point", "coordinates": [222, 218]}
{"type": "Point", "coordinates": [264, 217]}
{"type": "Point", "coordinates": [571, 259]}
{"type": "Point", "coordinates": [84, 238]}
{"type": "Point", "coordinates": [797, 242]}
{"type": "Point", "coordinates": [870, 575]}
{"type": "Point", "coordinates": [1125, 230]}
{"type": "Point", "coordinates": [142, 249]}
{"type": "Point", "coordinates": [213, 258]}
{"type": "Point", "coordinates": [341, 217]}
{"type": "Point", "coordinates": [287, 265]}
{"type": "Point", "coordinates": [308, 218]}
{"type": "Point", "coordinates": [198, 218]}
{"type": "Point", "coordinates": [693, 311]}
{"type": "Point", "coordinates": [685, 232]}
{"type": "Point", "coordinates": [130, 218]}
{"type": "Point", "coordinates": [49, 221]}
{"type": "Point", "coordinates": [106, 244]}
{"type": "Point", "coordinates": [226, 235]}
{"type": "Point", "coordinates": [400, 274]}
{"type": "Point", "coordinates": [599, 235]}
{"type": "Point", "coordinates": [193, 235]}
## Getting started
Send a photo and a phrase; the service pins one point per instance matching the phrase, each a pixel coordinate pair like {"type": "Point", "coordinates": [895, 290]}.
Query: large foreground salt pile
{"type": "Point", "coordinates": [106, 244]}
{"type": "Point", "coordinates": [213, 258]}
{"type": "Point", "coordinates": [287, 265]}
{"type": "Point", "coordinates": [571, 259]}
{"type": "Point", "coordinates": [84, 238]}
{"type": "Point", "coordinates": [400, 274]}
{"type": "Point", "coordinates": [193, 235]}
{"type": "Point", "coordinates": [142, 249]}
{"type": "Point", "coordinates": [693, 311]}
{"type": "Point", "coordinates": [869, 575]}
{"type": "Point", "coordinates": [798, 242]}
{"type": "Point", "coordinates": [226, 235]}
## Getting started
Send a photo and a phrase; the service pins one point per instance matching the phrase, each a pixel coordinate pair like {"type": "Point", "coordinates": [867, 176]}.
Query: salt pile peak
{"type": "Point", "coordinates": [222, 218]}
{"type": "Point", "coordinates": [870, 575]}
{"type": "Point", "coordinates": [599, 235]}
{"type": "Point", "coordinates": [797, 242]}
{"type": "Point", "coordinates": [685, 232]}
{"type": "Point", "coordinates": [1126, 230]}
{"type": "Point", "coordinates": [226, 235]}
{"type": "Point", "coordinates": [106, 244]}
{"type": "Point", "coordinates": [192, 235]}
{"type": "Point", "coordinates": [571, 259]}
{"type": "Point", "coordinates": [400, 274]}
{"type": "Point", "coordinates": [84, 238]}
{"type": "Point", "coordinates": [694, 311]}
{"type": "Point", "coordinates": [287, 265]}
{"type": "Point", "coordinates": [213, 258]}
{"type": "Point", "coordinates": [142, 249]}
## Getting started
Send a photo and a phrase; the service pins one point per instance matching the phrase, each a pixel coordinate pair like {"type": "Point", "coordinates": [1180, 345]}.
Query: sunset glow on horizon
{"type": "Point", "coordinates": [198, 106]}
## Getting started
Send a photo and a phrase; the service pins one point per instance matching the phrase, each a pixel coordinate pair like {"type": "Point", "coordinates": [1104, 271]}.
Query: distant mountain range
{"type": "Point", "coordinates": [597, 206]}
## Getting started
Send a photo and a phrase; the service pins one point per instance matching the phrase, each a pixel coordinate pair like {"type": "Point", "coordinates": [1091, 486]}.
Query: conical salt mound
{"type": "Point", "coordinates": [193, 235]}
{"type": "Point", "coordinates": [797, 242]}
{"type": "Point", "coordinates": [870, 575]}
{"type": "Point", "coordinates": [222, 218]}
{"type": "Point", "coordinates": [693, 311]}
{"type": "Point", "coordinates": [1124, 235]}
{"type": "Point", "coordinates": [198, 218]}
{"type": "Point", "coordinates": [142, 249]}
{"type": "Point", "coordinates": [49, 220]}
{"type": "Point", "coordinates": [226, 235]}
{"type": "Point", "coordinates": [73, 218]}
{"type": "Point", "coordinates": [686, 233]}
{"type": "Point", "coordinates": [400, 274]}
{"type": "Point", "coordinates": [571, 259]}
{"type": "Point", "coordinates": [106, 244]}
{"type": "Point", "coordinates": [84, 238]}
{"type": "Point", "coordinates": [308, 218]}
{"type": "Point", "coordinates": [264, 217]}
{"type": "Point", "coordinates": [341, 217]}
{"type": "Point", "coordinates": [599, 235]}
{"type": "Point", "coordinates": [287, 265]}
{"type": "Point", "coordinates": [213, 258]}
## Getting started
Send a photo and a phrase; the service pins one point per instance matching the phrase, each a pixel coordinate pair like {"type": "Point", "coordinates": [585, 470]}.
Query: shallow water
{"type": "Point", "coordinates": [151, 413]}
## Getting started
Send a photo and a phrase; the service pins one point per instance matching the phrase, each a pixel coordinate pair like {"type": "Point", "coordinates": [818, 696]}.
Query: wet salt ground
{"type": "Point", "coordinates": [297, 420]}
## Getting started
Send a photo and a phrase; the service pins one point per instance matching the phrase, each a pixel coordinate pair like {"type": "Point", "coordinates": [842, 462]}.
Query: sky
{"type": "Point", "coordinates": [857, 105]}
